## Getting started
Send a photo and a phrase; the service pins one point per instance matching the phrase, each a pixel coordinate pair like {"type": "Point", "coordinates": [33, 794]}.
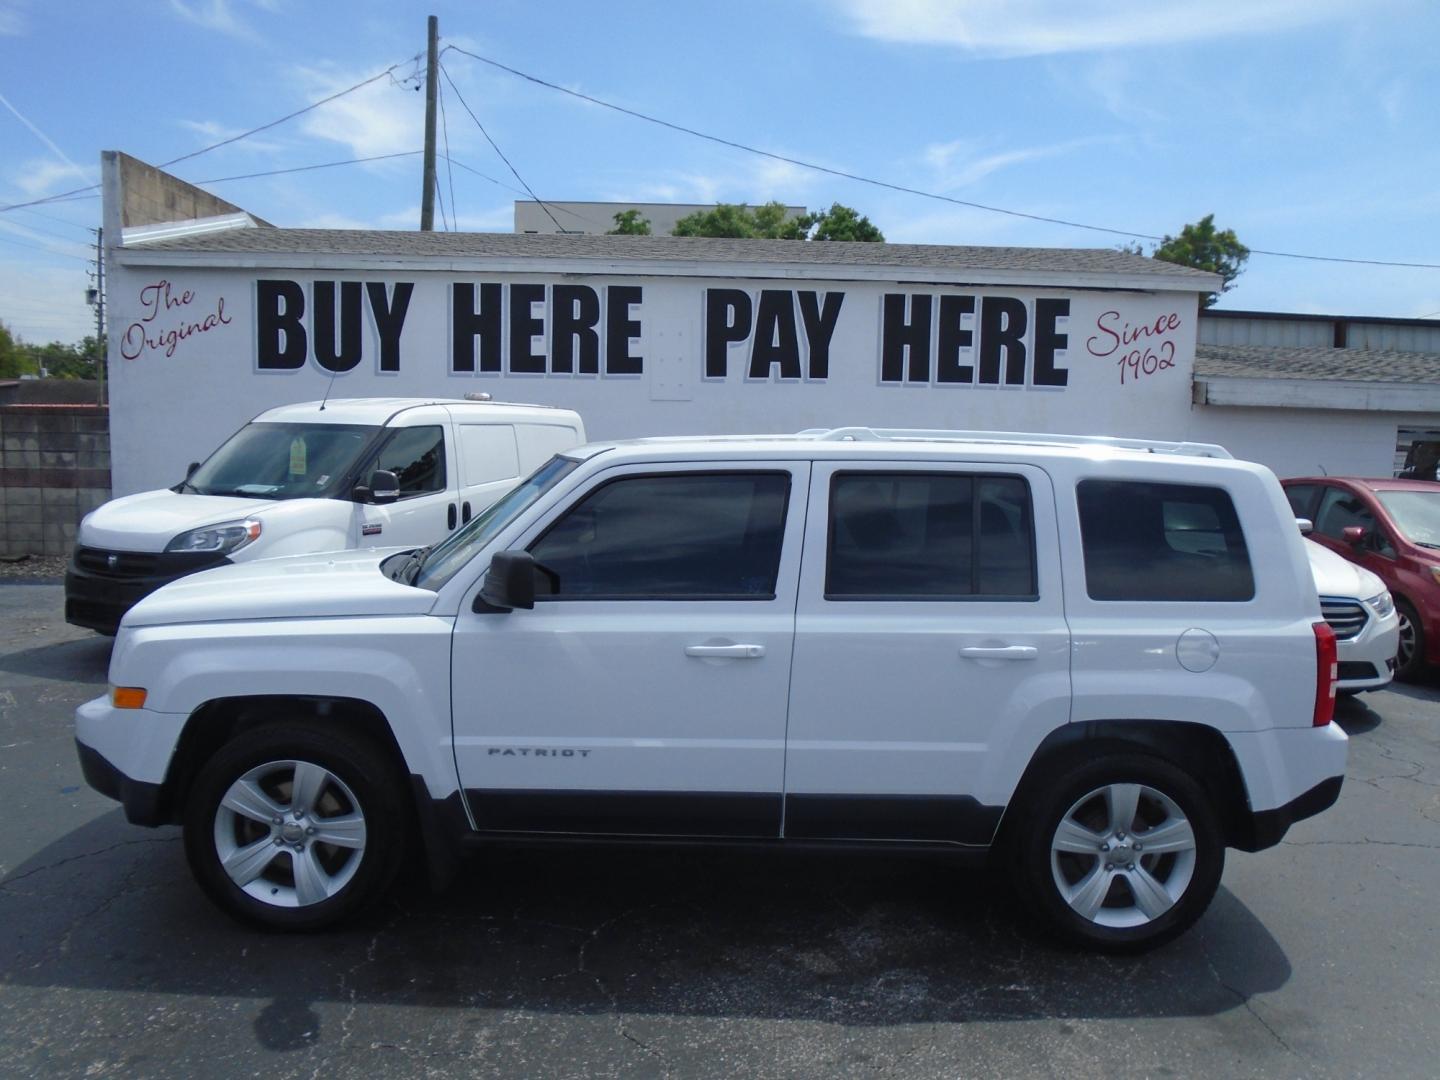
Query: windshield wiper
{"type": "Point", "coordinates": [179, 488]}
{"type": "Point", "coordinates": [410, 570]}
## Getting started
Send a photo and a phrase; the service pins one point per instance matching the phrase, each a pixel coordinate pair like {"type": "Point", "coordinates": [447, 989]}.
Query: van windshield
{"type": "Point", "coordinates": [448, 557]}
{"type": "Point", "coordinates": [282, 461]}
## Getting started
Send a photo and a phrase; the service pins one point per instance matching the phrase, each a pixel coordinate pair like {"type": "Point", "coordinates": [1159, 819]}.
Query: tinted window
{"type": "Point", "coordinates": [1162, 542]}
{"type": "Point", "coordinates": [1340, 509]}
{"type": "Point", "coordinates": [932, 536]}
{"type": "Point", "coordinates": [417, 457]}
{"type": "Point", "coordinates": [678, 536]}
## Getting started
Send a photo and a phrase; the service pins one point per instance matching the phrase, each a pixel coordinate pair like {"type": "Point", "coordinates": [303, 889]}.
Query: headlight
{"type": "Point", "coordinates": [219, 539]}
{"type": "Point", "coordinates": [1381, 603]}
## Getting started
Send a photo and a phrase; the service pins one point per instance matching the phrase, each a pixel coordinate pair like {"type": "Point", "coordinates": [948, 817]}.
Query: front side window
{"type": "Point", "coordinates": [677, 536]}
{"type": "Point", "coordinates": [417, 458]}
{"type": "Point", "coordinates": [1340, 509]}
{"type": "Point", "coordinates": [1157, 542]}
{"type": "Point", "coordinates": [929, 536]}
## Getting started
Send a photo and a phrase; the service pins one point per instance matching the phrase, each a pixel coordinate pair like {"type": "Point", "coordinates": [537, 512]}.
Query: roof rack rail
{"type": "Point", "coordinates": [1151, 446]}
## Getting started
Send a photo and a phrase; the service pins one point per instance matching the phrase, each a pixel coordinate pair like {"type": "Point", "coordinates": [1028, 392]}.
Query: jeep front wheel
{"type": "Point", "coordinates": [1121, 854]}
{"type": "Point", "coordinates": [293, 828]}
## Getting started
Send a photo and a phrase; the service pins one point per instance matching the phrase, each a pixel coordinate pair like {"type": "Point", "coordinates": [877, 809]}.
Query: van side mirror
{"type": "Point", "coordinates": [1354, 534]}
{"type": "Point", "coordinates": [1305, 525]}
{"type": "Point", "coordinates": [190, 469]}
{"type": "Point", "coordinates": [384, 487]}
{"type": "Point", "coordinates": [509, 583]}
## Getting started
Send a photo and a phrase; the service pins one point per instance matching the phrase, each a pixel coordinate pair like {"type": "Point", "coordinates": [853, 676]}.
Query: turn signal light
{"type": "Point", "coordinates": [127, 697]}
{"type": "Point", "coordinates": [1327, 673]}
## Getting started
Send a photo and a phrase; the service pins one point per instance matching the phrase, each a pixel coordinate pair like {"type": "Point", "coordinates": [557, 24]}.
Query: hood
{"type": "Point", "coordinates": [150, 520]}
{"type": "Point", "coordinates": [1338, 576]}
{"type": "Point", "coordinates": [339, 583]}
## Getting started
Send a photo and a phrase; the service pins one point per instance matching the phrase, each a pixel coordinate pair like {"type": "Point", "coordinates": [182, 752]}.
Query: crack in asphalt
{"type": "Point", "coordinates": [8, 885]}
{"type": "Point", "coordinates": [1359, 843]}
{"type": "Point", "coordinates": [1243, 998]}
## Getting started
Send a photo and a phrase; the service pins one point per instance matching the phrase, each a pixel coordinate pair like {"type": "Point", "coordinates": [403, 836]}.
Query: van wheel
{"type": "Point", "coordinates": [1120, 854]}
{"type": "Point", "coordinates": [294, 828]}
{"type": "Point", "coordinates": [1410, 656]}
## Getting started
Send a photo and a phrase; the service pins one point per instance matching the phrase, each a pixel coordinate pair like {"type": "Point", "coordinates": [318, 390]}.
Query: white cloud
{"type": "Point", "coordinates": [376, 119]}
{"type": "Point", "coordinates": [1008, 28]}
{"type": "Point", "coordinates": [212, 132]}
{"type": "Point", "coordinates": [218, 15]}
{"type": "Point", "coordinates": [40, 176]}
{"type": "Point", "coordinates": [959, 164]}
{"type": "Point", "coordinates": [12, 23]}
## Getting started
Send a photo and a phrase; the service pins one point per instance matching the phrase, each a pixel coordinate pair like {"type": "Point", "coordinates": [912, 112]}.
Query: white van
{"type": "Point", "coordinates": [312, 477]}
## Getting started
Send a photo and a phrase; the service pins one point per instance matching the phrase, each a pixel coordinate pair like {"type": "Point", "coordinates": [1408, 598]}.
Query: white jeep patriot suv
{"type": "Point", "coordinates": [1102, 661]}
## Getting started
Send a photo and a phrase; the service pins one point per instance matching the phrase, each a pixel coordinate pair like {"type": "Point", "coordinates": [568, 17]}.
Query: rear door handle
{"type": "Point", "coordinates": [734, 652]}
{"type": "Point", "coordinates": [450, 515]}
{"type": "Point", "coordinates": [1000, 652]}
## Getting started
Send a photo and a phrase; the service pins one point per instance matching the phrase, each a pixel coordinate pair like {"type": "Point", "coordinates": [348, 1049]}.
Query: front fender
{"type": "Point", "coordinates": [400, 665]}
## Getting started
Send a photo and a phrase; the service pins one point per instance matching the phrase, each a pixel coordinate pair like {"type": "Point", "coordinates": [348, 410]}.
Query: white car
{"type": "Point", "coordinates": [1360, 610]}
{"type": "Point", "coordinates": [317, 476]}
{"type": "Point", "coordinates": [1101, 661]}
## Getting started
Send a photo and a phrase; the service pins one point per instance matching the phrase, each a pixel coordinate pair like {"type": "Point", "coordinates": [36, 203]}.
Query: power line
{"type": "Point", "coordinates": [64, 195]}
{"type": "Point", "coordinates": [449, 170]}
{"type": "Point", "coordinates": [899, 187]}
{"type": "Point", "coordinates": [444, 70]}
{"type": "Point", "coordinates": [38, 247]}
{"type": "Point", "coordinates": [309, 168]}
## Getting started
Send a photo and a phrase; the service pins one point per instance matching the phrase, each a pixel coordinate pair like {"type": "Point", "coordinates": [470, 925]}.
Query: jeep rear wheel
{"type": "Point", "coordinates": [1121, 854]}
{"type": "Point", "coordinates": [294, 828]}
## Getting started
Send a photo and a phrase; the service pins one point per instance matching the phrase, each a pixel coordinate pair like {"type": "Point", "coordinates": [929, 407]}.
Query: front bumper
{"type": "Point", "coordinates": [97, 599]}
{"type": "Point", "coordinates": [125, 754]}
{"type": "Point", "coordinates": [1367, 660]}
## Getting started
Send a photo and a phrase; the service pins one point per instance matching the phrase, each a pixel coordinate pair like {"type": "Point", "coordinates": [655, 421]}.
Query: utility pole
{"type": "Point", "coordinates": [432, 66]}
{"type": "Point", "coordinates": [100, 337]}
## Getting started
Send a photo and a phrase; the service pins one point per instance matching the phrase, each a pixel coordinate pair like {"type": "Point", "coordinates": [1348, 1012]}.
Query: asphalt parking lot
{"type": "Point", "coordinates": [1318, 958]}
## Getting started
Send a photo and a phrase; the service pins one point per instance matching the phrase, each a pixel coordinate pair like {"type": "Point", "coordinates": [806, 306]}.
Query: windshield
{"type": "Point", "coordinates": [442, 563]}
{"type": "Point", "coordinates": [1417, 513]}
{"type": "Point", "coordinates": [281, 461]}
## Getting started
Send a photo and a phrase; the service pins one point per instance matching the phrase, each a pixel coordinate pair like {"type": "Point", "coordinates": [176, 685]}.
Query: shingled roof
{"type": "Point", "coordinates": [1316, 364]}
{"type": "Point", "coordinates": [678, 249]}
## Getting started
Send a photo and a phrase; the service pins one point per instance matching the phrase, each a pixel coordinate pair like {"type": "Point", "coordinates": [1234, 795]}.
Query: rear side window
{"type": "Point", "coordinates": [929, 536]}
{"type": "Point", "coordinates": [1302, 499]}
{"type": "Point", "coordinates": [679, 536]}
{"type": "Point", "coordinates": [417, 458]}
{"type": "Point", "coordinates": [1162, 542]}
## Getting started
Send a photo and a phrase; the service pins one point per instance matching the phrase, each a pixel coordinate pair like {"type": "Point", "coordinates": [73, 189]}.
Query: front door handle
{"type": "Point", "coordinates": [450, 515]}
{"type": "Point", "coordinates": [1000, 652]}
{"type": "Point", "coordinates": [734, 652]}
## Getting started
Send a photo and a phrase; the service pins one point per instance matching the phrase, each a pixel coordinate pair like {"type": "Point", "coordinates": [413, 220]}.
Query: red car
{"type": "Point", "coordinates": [1390, 527]}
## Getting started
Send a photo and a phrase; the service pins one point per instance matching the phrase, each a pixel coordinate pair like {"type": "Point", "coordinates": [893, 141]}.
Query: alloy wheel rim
{"type": "Point", "coordinates": [290, 833]}
{"type": "Point", "coordinates": [1407, 641]}
{"type": "Point", "coordinates": [1123, 855]}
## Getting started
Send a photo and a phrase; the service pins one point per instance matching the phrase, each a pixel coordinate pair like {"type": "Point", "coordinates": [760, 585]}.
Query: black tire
{"type": "Point", "coordinates": [1187, 880]}
{"type": "Point", "coordinates": [338, 878]}
{"type": "Point", "coordinates": [1410, 659]}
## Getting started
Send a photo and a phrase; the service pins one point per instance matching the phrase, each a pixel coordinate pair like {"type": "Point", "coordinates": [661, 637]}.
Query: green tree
{"type": "Point", "coordinates": [630, 223]}
{"type": "Point", "coordinates": [1205, 247]}
{"type": "Point", "coordinates": [10, 356]}
{"type": "Point", "coordinates": [772, 221]}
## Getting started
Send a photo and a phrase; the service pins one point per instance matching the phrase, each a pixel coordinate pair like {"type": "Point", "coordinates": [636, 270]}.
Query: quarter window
{"type": "Point", "coordinates": [929, 536]}
{"type": "Point", "coordinates": [678, 536]}
{"type": "Point", "coordinates": [417, 458]}
{"type": "Point", "coordinates": [1162, 542]}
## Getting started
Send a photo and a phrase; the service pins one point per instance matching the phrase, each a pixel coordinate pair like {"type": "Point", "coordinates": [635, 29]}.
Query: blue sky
{"type": "Point", "coordinates": [1308, 126]}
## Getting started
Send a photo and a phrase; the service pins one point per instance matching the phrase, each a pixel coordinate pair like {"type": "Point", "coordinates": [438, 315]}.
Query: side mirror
{"type": "Point", "coordinates": [1354, 534]}
{"type": "Point", "coordinates": [190, 469]}
{"type": "Point", "coordinates": [384, 487]}
{"type": "Point", "coordinates": [1305, 525]}
{"type": "Point", "coordinates": [509, 583]}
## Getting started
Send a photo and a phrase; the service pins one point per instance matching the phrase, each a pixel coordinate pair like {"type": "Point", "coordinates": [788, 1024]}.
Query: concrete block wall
{"type": "Point", "coordinates": [54, 469]}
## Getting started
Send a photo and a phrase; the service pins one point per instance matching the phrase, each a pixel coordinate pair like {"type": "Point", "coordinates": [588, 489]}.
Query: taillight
{"type": "Point", "coordinates": [1327, 672]}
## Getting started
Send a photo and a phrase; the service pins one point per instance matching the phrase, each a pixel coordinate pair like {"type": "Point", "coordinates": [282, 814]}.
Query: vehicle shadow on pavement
{"type": "Point", "coordinates": [844, 939]}
{"type": "Point", "coordinates": [83, 660]}
{"type": "Point", "coordinates": [1355, 716]}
